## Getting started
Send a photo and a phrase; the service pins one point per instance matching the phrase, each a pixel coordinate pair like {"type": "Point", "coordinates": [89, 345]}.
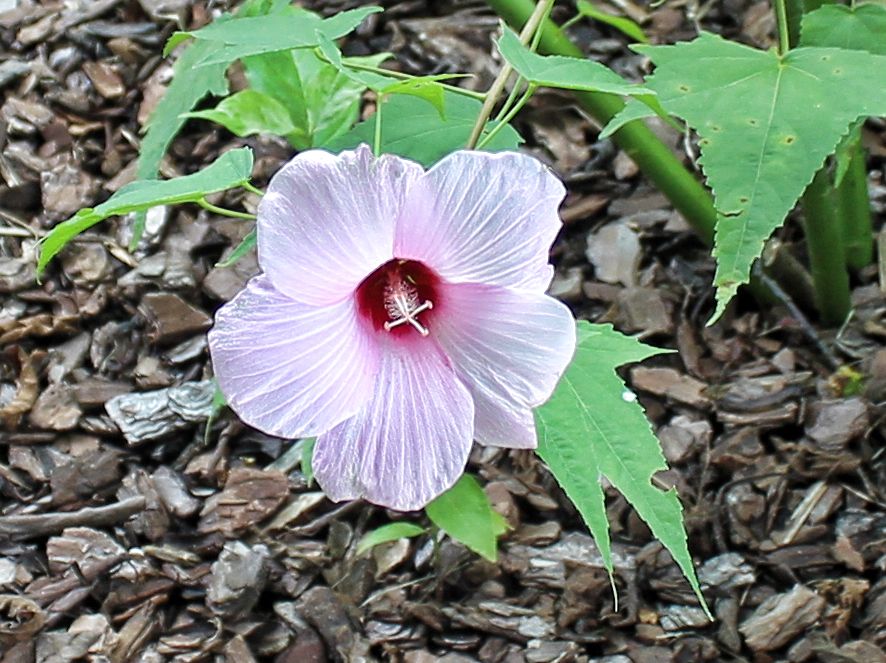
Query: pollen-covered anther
{"type": "Point", "coordinates": [401, 304]}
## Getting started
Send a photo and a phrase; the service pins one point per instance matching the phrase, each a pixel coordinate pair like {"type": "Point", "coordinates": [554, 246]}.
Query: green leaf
{"type": "Point", "coordinates": [564, 72]}
{"type": "Point", "coordinates": [219, 402]}
{"type": "Point", "coordinates": [620, 23]}
{"type": "Point", "coordinates": [254, 35]}
{"type": "Point", "coordinates": [639, 108]}
{"type": "Point", "coordinates": [231, 169]}
{"type": "Point", "coordinates": [307, 459]}
{"type": "Point", "coordinates": [860, 28]}
{"type": "Point", "coordinates": [322, 102]}
{"type": "Point", "coordinates": [387, 533]}
{"type": "Point", "coordinates": [189, 85]}
{"type": "Point", "coordinates": [593, 427]}
{"type": "Point", "coordinates": [766, 124]}
{"type": "Point", "coordinates": [423, 87]}
{"type": "Point", "coordinates": [247, 113]}
{"type": "Point", "coordinates": [465, 514]}
{"type": "Point", "coordinates": [332, 98]}
{"type": "Point", "coordinates": [242, 249]}
{"type": "Point", "coordinates": [412, 128]}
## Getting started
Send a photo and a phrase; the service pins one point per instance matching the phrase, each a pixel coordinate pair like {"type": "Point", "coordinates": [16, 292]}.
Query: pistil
{"type": "Point", "coordinates": [401, 305]}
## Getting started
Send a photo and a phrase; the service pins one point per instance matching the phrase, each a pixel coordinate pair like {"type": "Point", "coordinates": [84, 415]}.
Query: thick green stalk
{"type": "Point", "coordinates": [826, 256]}
{"type": "Point", "coordinates": [854, 205]}
{"type": "Point", "coordinates": [652, 156]}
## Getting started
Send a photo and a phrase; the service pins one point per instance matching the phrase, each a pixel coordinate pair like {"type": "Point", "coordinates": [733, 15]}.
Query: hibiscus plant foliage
{"type": "Point", "coordinates": [385, 232]}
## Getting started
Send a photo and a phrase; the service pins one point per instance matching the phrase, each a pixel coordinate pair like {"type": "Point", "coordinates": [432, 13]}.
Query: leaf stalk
{"type": "Point", "coordinates": [533, 22]}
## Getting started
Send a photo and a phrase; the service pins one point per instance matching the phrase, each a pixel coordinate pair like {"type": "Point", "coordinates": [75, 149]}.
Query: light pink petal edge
{"type": "Point", "coordinates": [290, 369]}
{"type": "Point", "coordinates": [409, 443]}
{"type": "Point", "coordinates": [510, 348]}
{"type": "Point", "coordinates": [327, 221]}
{"type": "Point", "coordinates": [477, 217]}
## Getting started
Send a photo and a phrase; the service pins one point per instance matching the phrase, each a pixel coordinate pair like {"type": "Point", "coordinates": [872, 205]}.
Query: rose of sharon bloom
{"type": "Point", "coordinates": [401, 314]}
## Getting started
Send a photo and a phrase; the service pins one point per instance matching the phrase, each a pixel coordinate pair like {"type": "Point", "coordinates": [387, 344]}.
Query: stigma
{"type": "Point", "coordinates": [402, 305]}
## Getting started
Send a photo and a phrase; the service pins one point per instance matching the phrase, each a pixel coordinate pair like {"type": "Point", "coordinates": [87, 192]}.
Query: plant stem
{"type": "Point", "coordinates": [253, 189]}
{"type": "Point", "coordinates": [473, 94]}
{"type": "Point", "coordinates": [532, 22]}
{"type": "Point", "coordinates": [376, 140]}
{"type": "Point", "coordinates": [781, 17]}
{"type": "Point", "coordinates": [503, 122]}
{"type": "Point", "coordinates": [855, 208]}
{"type": "Point", "coordinates": [509, 102]}
{"type": "Point", "coordinates": [826, 255]}
{"type": "Point", "coordinates": [653, 157]}
{"type": "Point", "coordinates": [221, 211]}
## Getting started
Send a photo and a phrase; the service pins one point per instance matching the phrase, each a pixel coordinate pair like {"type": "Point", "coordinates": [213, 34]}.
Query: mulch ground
{"type": "Point", "coordinates": [131, 529]}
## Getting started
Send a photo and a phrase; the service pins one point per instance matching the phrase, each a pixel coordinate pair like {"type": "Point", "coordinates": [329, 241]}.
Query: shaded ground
{"type": "Point", "coordinates": [123, 536]}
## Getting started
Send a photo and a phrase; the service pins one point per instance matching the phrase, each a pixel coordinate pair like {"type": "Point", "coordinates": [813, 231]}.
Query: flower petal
{"type": "Point", "coordinates": [327, 221]}
{"type": "Point", "coordinates": [509, 347]}
{"type": "Point", "coordinates": [409, 443]}
{"type": "Point", "coordinates": [497, 426]}
{"type": "Point", "coordinates": [483, 218]}
{"type": "Point", "coordinates": [290, 369]}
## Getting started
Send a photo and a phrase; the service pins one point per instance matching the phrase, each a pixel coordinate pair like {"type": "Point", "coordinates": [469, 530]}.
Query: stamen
{"type": "Point", "coordinates": [402, 307]}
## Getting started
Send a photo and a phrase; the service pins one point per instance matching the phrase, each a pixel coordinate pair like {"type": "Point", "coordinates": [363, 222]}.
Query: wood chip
{"type": "Point", "coordinates": [250, 495]}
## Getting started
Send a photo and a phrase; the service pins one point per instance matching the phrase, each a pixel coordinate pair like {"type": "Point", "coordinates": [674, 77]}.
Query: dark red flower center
{"type": "Point", "coordinates": [400, 297]}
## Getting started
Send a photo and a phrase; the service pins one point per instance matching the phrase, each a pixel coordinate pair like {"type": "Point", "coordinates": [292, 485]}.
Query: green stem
{"type": "Point", "coordinates": [509, 102]}
{"type": "Point", "coordinates": [530, 90]}
{"type": "Point", "coordinates": [653, 157]}
{"type": "Point", "coordinates": [253, 189]}
{"type": "Point", "coordinates": [825, 245]}
{"type": "Point", "coordinates": [221, 211]}
{"type": "Point", "coordinates": [781, 17]}
{"type": "Point", "coordinates": [473, 94]}
{"type": "Point", "coordinates": [376, 140]}
{"type": "Point", "coordinates": [535, 17]}
{"type": "Point", "coordinates": [854, 204]}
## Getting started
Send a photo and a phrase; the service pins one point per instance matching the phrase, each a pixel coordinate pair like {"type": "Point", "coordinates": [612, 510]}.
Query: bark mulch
{"type": "Point", "coordinates": [134, 527]}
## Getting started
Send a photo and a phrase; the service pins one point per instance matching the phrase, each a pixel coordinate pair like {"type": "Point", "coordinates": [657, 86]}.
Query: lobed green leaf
{"type": "Point", "coordinates": [766, 124]}
{"type": "Point", "coordinates": [231, 169]}
{"type": "Point", "coordinates": [593, 427]}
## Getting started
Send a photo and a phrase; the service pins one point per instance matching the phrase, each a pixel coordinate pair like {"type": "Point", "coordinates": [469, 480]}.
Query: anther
{"type": "Point", "coordinates": [408, 315]}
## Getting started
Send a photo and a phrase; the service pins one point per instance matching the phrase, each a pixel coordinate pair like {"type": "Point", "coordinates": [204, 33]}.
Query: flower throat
{"type": "Point", "coordinates": [399, 297]}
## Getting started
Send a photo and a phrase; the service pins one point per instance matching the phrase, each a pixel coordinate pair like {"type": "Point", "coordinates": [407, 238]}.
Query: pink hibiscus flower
{"type": "Point", "coordinates": [400, 315]}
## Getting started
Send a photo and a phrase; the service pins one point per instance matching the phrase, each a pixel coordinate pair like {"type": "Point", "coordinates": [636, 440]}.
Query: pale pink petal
{"type": "Point", "coordinates": [327, 221]}
{"type": "Point", "coordinates": [509, 347]}
{"type": "Point", "coordinates": [411, 440]}
{"type": "Point", "coordinates": [499, 426]}
{"type": "Point", "coordinates": [290, 369]}
{"type": "Point", "coordinates": [483, 218]}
